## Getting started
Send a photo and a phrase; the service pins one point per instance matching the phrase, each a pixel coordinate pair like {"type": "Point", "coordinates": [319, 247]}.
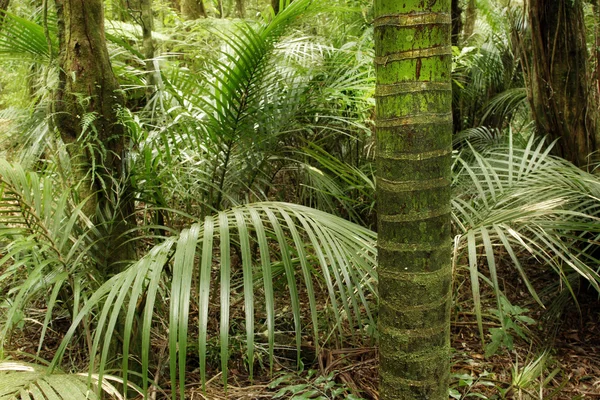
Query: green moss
{"type": "Point", "coordinates": [414, 134]}
{"type": "Point", "coordinates": [415, 261]}
{"type": "Point", "coordinates": [433, 230]}
{"type": "Point", "coordinates": [430, 101]}
{"type": "Point", "coordinates": [414, 318]}
{"type": "Point", "coordinates": [430, 168]}
{"type": "Point", "coordinates": [431, 69]}
{"type": "Point", "coordinates": [413, 139]}
{"type": "Point", "coordinates": [395, 39]}
{"type": "Point", "coordinates": [385, 7]}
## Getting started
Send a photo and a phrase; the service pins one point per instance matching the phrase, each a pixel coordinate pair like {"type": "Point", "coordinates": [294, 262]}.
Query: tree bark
{"type": "Point", "coordinates": [192, 9]}
{"type": "Point", "coordinates": [456, 13]}
{"type": "Point", "coordinates": [148, 46]}
{"type": "Point", "coordinates": [239, 5]}
{"type": "Point", "coordinates": [470, 18]}
{"type": "Point", "coordinates": [220, 9]}
{"type": "Point", "coordinates": [119, 10]}
{"type": "Point", "coordinates": [88, 96]}
{"type": "Point", "coordinates": [562, 104]}
{"type": "Point", "coordinates": [596, 11]}
{"type": "Point", "coordinates": [413, 60]}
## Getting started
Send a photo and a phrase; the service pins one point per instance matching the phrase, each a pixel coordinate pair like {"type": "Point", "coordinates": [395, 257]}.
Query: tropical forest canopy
{"type": "Point", "coordinates": [191, 193]}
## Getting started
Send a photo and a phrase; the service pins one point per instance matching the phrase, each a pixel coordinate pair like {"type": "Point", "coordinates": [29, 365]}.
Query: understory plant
{"type": "Point", "coordinates": [222, 140]}
{"type": "Point", "coordinates": [254, 192]}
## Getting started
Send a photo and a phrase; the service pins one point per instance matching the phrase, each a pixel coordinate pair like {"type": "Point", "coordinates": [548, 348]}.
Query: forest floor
{"type": "Point", "coordinates": [571, 372]}
{"type": "Point", "coordinates": [570, 334]}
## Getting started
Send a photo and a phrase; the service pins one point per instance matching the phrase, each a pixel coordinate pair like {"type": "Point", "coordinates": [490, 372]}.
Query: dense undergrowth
{"type": "Point", "coordinates": [252, 167]}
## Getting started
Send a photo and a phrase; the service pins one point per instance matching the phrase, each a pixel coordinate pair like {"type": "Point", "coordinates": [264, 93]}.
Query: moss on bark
{"type": "Point", "coordinates": [86, 106]}
{"type": "Point", "coordinates": [559, 80]}
{"type": "Point", "coordinates": [414, 135]}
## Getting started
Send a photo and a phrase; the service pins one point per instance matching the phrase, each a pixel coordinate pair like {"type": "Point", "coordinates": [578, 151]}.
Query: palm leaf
{"type": "Point", "coordinates": [525, 201]}
{"type": "Point", "coordinates": [24, 381]}
{"type": "Point", "coordinates": [326, 248]}
{"type": "Point", "coordinates": [44, 240]}
{"type": "Point", "coordinates": [23, 39]}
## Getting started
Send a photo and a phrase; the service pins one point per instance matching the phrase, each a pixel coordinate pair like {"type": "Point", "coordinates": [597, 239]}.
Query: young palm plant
{"type": "Point", "coordinates": [235, 125]}
{"type": "Point", "coordinates": [225, 124]}
{"type": "Point", "coordinates": [509, 202]}
{"type": "Point", "coordinates": [22, 381]}
{"type": "Point", "coordinates": [523, 202]}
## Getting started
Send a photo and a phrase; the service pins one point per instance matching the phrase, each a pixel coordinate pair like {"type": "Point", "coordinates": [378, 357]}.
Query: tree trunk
{"type": "Point", "coordinates": [456, 13]}
{"type": "Point", "coordinates": [192, 9]}
{"type": "Point", "coordinates": [87, 101]}
{"type": "Point", "coordinates": [470, 18]}
{"type": "Point", "coordinates": [414, 138]}
{"type": "Point", "coordinates": [239, 5]}
{"type": "Point", "coordinates": [562, 104]}
{"type": "Point", "coordinates": [148, 46]}
{"type": "Point", "coordinates": [596, 10]}
{"type": "Point", "coordinates": [220, 9]}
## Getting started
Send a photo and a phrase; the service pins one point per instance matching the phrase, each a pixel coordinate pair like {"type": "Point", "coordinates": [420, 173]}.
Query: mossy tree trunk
{"type": "Point", "coordinates": [414, 136]}
{"type": "Point", "coordinates": [192, 9]}
{"type": "Point", "coordinates": [559, 82]}
{"type": "Point", "coordinates": [86, 106]}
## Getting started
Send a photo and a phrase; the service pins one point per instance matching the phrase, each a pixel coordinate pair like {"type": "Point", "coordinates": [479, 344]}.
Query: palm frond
{"type": "Point", "coordinates": [42, 238]}
{"type": "Point", "coordinates": [233, 121]}
{"type": "Point", "coordinates": [479, 138]}
{"type": "Point", "coordinates": [22, 39]}
{"type": "Point", "coordinates": [506, 103]}
{"type": "Point", "coordinates": [310, 245]}
{"type": "Point", "coordinates": [25, 381]}
{"type": "Point", "coordinates": [333, 184]}
{"type": "Point", "coordinates": [525, 201]}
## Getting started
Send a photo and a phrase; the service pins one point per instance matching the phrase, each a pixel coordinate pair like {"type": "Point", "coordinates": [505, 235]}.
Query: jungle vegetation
{"type": "Point", "coordinates": [271, 199]}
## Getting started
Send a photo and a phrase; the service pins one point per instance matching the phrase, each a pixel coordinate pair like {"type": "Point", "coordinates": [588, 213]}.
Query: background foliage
{"type": "Point", "coordinates": [251, 163]}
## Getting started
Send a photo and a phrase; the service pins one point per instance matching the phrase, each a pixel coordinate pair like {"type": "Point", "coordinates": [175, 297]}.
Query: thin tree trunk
{"type": "Point", "coordinates": [87, 101]}
{"type": "Point", "coordinates": [239, 5]}
{"type": "Point", "coordinates": [470, 18]}
{"type": "Point", "coordinates": [414, 135]}
{"type": "Point", "coordinates": [456, 13]}
{"type": "Point", "coordinates": [119, 10]}
{"type": "Point", "coordinates": [562, 104]}
{"type": "Point", "coordinates": [192, 9]}
{"type": "Point", "coordinates": [148, 46]}
{"type": "Point", "coordinates": [220, 8]}
{"type": "Point", "coordinates": [596, 11]}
